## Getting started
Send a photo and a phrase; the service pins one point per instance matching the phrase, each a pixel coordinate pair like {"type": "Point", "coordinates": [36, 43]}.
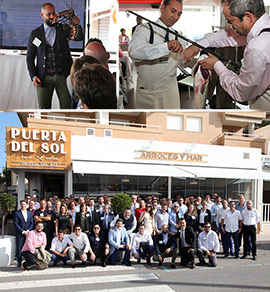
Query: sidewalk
{"type": "Point", "coordinates": [263, 237]}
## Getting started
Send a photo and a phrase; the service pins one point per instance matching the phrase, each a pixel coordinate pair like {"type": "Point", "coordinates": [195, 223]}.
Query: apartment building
{"type": "Point", "coordinates": [162, 153]}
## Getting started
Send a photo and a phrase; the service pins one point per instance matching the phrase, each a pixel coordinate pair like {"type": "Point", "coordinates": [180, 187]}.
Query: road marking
{"type": "Point", "coordinates": [211, 268]}
{"type": "Point", "coordinates": [254, 265]}
{"type": "Point", "coordinates": [64, 270]}
{"type": "Point", "coordinates": [163, 288]}
{"type": "Point", "coordinates": [75, 281]}
{"type": "Point", "coordinates": [172, 270]}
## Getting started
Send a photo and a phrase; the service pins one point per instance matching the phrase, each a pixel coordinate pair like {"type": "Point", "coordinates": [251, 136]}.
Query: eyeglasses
{"type": "Point", "coordinates": [77, 228]}
{"type": "Point", "coordinates": [96, 228]}
{"type": "Point", "coordinates": [207, 226]}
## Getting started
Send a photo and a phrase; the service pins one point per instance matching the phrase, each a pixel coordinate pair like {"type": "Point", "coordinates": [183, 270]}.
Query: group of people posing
{"type": "Point", "coordinates": [62, 230]}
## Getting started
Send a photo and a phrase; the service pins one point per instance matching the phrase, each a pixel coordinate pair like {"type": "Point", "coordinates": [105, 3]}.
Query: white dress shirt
{"type": "Point", "coordinates": [138, 238]}
{"type": "Point", "coordinates": [208, 241]}
{"type": "Point", "coordinates": [231, 220]}
{"type": "Point", "coordinates": [59, 246]}
{"type": "Point", "coordinates": [251, 217]}
{"type": "Point", "coordinates": [80, 242]}
{"type": "Point", "coordinates": [221, 213]}
{"type": "Point", "coordinates": [160, 219]}
{"type": "Point", "coordinates": [24, 213]}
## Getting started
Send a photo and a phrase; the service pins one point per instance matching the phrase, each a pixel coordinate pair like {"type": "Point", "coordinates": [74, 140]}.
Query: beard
{"type": "Point", "coordinates": [49, 22]}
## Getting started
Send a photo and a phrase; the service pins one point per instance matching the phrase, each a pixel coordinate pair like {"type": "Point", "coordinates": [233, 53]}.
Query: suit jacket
{"type": "Point", "coordinates": [207, 217]}
{"type": "Point", "coordinates": [190, 237]}
{"type": "Point", "coordinates": [113, 238]}
{"type": "Point", "coordinates": [20, 224]}
{"type": "Point", "coordinates": [101, 220]}
{"type": "Point", "coordinates": [61, 41]}
{"type": "Point", "coordinates": [161, 246]}
{"type": "Point", "coordinates": [88, 221]}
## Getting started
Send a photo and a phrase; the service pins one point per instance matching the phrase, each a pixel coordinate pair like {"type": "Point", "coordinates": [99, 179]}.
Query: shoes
{"type": "Point", "coordinates": [160, 263]}
{"type": "Point", "coordinates": [237, 256]}
{"type": "Point", "coordinates": [19, 264]}
{"type": "Point", "coordinates": [232, 253]}
{"type": "Point", "coordinates": [128, 263]}
{"type": "Point", "coordinates": [83, 264]}
{"type": "Point", "coordinates": [65, 263]}
{"type": "Point", "coordinates": [148, 262]}
{"type": "Point", "coordinates": [104, 264]}
{"type": "Point", "coordinates": [226, 257]}
{"type": "Point", "coordinates": [254, 258]}
{"type": "Point", "coordinates": [38, 266]}
{"type": "Point", "coordinates": [192, 266]}
{"type": "Point", "coordinates": [201, 264]}
{"type": "Point", "coordinates": [248, 253]}
{"type": "Point", "coordinates": [55, 263]}
{"type": "Point", "coordinates": [73, 266]}
{"type": "Point", "coordinates": [173, 266]}
{"type": "Point", "coordinates": [138, 261]}
{"type": "Point", "coordinates": [243, 257]}
{"type": "Point", "coordinates": [24, 269]}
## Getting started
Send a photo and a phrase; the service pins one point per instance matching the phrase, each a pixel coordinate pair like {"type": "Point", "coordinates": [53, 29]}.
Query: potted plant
{"type": "Point", "coordinates": [7, 243]}
{"type": "Point", "coordinates": [120, 202]}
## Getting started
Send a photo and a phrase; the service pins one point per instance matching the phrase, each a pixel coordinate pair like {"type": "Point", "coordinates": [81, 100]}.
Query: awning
{"type": "Point", "coordinates": [143, 169]}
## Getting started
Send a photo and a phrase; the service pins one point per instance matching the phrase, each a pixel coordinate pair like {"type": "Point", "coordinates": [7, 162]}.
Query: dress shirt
{"type": "Point", "coordinates": [202, 215]}
{"type": "Point", "coordinates": [165, 237]}
{"type": "Point", "coordinates": [254, 76]}
{"type": "Point", "coordinates": [161, 219]}
{"type": "Point", "coordinates": [119, 235]}
{"type": "Point", "coordinates": [231, 220]}
{"type": "Point", "coordinates": [221, 213]}
{"type": "Point", "coordinates": [50, 34]}
{"type": "Point", "coordinates": [184, 208]}
{"type": "Point", "coordinates": [34, 240]}
{"type": "Point", "coordinates": [60, 246]}
{"type": "Point", "coordinates": [80, 242]}
{"type": "Point", "coordinates": [173, 220]}
{"type": "Point", "coordinates": [134, 207]}
{"type": "Point", "coordinates": [24, 213]}
{"type": "Point", "coordinates": [239, 208]}
{"type": "Point", "coordinates": [77, 210]}
{"type": "Point", "coordinates": [208, 241]}
{"type": "Point", "coordinates": [138, 238]}
{"type": "Point", "coordinates": [251, 217]}
{"type": "Point", "coordinates": [134, 224]}
{"type": "Point", "coordinates": [209, 205]}
{"type": "Point", "coordinates": [214, 210]}
{"type": "Point", "coordinates": [183, 238]}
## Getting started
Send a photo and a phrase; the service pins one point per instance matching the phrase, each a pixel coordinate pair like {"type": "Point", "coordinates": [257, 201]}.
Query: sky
{"type": "Point", "coordinates": [6, 119]}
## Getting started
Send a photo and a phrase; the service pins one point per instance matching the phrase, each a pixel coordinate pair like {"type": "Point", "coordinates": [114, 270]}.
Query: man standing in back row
{"type": "Point", "coordinates": [49, 44]}
{"type": "Point", "coordinates": [156, 56]}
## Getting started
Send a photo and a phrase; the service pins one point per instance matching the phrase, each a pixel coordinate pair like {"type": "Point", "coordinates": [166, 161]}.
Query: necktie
{"type": "Point", "coordinates": [166, 39]}
{"type": "Point", "coordinates": [177, 218]}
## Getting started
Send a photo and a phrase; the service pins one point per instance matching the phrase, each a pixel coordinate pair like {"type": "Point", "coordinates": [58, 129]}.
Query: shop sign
{"type": "Point", "coordinates": [171, 156]}
{"type": "Point", "coordinates": [38, 149]}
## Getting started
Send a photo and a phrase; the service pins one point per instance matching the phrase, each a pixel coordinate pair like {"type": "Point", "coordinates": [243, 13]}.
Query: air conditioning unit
{"type": "Point", "coordinates": [90, 132]}
{"type": "Point", "coordinates": [108, 133]}
{"type": "Point", "coordinates": [266, 162]}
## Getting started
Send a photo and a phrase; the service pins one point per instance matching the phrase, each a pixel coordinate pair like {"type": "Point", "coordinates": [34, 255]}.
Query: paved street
{"type": "Point", "coordinates": [229, 275]}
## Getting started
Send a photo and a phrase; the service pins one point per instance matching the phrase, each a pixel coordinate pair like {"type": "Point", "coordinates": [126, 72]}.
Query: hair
{"type": "Point", "coordinates": [61, 231]}
{"type": "Point", "coordinates": [81, 205]}
{"type": "Point", "coordinates": [167, 2]}
{"type": "Point", "coordinates": [70, 202]}
{"type": "Point", "coordinates": [119, 220]}
{"type": "Point", "coordinates": [46, 4]}
{"type": "Point", "coordinates": [122, 29]}
{"type": "Point", "coordinates": [238, 8]}
{"type": "Point", "coordinates": [95, 87]}
{"type": "Point", "coordinates": [66, 212]}
{"type": "Point", "coordinates": [23, 201]}
{"type": "Point", "coordinates": [79, 63]}
{"type": "Point", "coordinates": [77, 225]}
{"type": "Point", "coordinates": [93, 40]}
{"type": "Point", "coordinates": [39, 223]}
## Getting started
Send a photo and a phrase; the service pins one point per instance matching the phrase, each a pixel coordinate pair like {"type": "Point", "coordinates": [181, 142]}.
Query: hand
{"type": "Point", "coordinates": [122, 246]}
{"type": "Point", "coordinates": [160, 258]}
{"type": "Point", "coordinates": [175, 46]}
{"type": "Point", "coordinates": [76, 20]}
{"type": "Point", "coordinates": [191, 249]}
{"type": "Point", "coordinates": [168, 250]}
{"type": "Point", "coordinates": [25, 232]}
{"type": "Point", "coordinates": [37, 82]}
{"type": "Point", "coordinates": [208, 63]}
{"type": "Point", "coordinates": [207, 252]}
{"type": "Point", "coordinates": [190, 53]}
{"type": "Point", "coordinates": [128, 247]}
{"type": "Point", "coordinates": [92, 257]}
{"type": "Point", "coordinates": [107, 251]}
{"type": "Point", "coordinates": [222, 229]}
{"type": "Point", "coordinates": [136, 255]}
{"type": "Point", "coordinates": [212, 253]}
{"type": "Point", "coordinates": [240, 229]}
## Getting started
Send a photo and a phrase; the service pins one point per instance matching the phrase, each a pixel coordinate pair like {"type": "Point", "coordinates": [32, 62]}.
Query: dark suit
{"type": "Point", "coordinates": [89, 222]}
{"type": "Point", "coordinates": [161, 247]}
{"type": "Point", "coordinates": [207, 218]}
{"type": "Point", "coordinates": [40, 52]}
{"type": "Point", "coordinates": [20, 226]}
{"type": "Point", "coordinates": [101, 221]}
{"type": "Point", "coordinates": [190, 240]}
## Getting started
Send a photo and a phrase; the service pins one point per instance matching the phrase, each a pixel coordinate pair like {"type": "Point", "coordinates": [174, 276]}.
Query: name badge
{"type": "Point", "coordinates": [37, 42]}
{"type": "Point", "coordinates": [193, 217]}
{"type": "Point", "coordinates": [204, 239]}
{"type": "Point", "coordinates": [160, 242]}
{"type": "Point", "coordinates": [163, 60]}
{"type": "Point", "coordinates": [41, 215]}
{"type": "Point", "coordinates": [87, 215]}
{"type": "Point", "coordinates": [101, 218]}
{"type": "Point", "coordinates": [97, 239]}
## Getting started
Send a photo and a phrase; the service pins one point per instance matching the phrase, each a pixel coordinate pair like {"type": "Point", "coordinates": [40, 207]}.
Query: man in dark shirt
{"type": "Point", "coordinates": [99, 245]}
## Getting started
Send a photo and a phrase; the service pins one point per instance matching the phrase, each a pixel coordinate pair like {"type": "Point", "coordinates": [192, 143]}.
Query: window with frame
{"type": "Point", "coordinates": [175, 122]}
{"type": "Point", "coordinates": [193, 124]}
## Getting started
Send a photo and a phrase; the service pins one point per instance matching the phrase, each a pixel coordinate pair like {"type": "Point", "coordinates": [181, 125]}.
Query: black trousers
{"type": "Point", "coordinates": [185, 256]}
{"type": "Point", "coordinates": [250, 230]}
{"type": "Point", "coordinates": [20, 240]}
{"type": "Point", "coordinates": [30, 259]}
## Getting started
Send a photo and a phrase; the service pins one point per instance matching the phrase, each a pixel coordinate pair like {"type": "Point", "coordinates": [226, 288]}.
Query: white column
{"type": "Point", "coordinates": [169, 187]}
{"type": "Point", "coordinates": [68, 183]}
{"type": "Point", "coordinates": [21, 185]}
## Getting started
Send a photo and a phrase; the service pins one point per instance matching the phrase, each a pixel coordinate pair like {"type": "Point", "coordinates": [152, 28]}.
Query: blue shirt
{"type": "Point", "coordinates": [237, 207]}
{"type": "Point", "coordinates": [50, 34]}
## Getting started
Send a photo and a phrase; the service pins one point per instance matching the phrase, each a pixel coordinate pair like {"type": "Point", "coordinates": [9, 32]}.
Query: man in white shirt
{"type": "Point", "coordinates": [81, 246]}
{"type": "Point", "coordinates": [251, 218]}
{"type": "Point", "coordinates": [214, 210]}
{"type": "Point", "coordinates": [142, 245]}
{"type": "Point", "coordinates": [156, 56]}
{"type": "Point", "coordinates": [161, 218]}
{"type": "Point", "coordinates": [59, 248]}
{"type": "Point", "coordinates": [182, 206]}
{"type": "Point", "coordinates": [208, 244]}
{"type": "Point", "coordinates": [233, 225]}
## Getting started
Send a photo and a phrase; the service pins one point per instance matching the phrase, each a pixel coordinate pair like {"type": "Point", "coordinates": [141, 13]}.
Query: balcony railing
{"type": "Point", "coordinates": [239, 135]}
{"type": "Point", "coordinates": [94, 121]}
{"type": "Point", "coordinates": [266, 213]}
